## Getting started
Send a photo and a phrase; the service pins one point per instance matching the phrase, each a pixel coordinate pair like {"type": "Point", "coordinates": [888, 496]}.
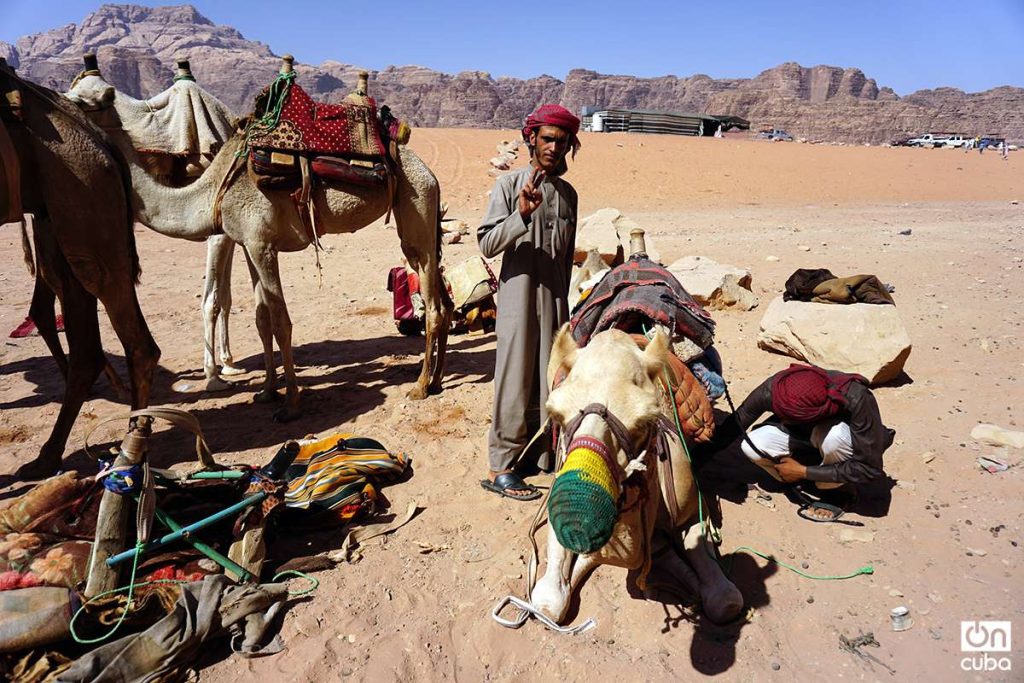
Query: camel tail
{"type": "Point", "coordinates": [26, 249]}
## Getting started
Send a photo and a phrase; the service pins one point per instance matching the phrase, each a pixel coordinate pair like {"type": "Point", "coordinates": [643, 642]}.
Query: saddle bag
{"type": "Point", "coordinates": [470, 282]}
{"type": "Point", "coordinates": [340, 170]}
{"type": "Point", "coordinates": [402, 286]}
{"type": "Point", "coordinates": [269, 162]}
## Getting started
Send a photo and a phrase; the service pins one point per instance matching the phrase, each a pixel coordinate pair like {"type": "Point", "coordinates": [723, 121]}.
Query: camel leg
{"type": "Point", "coordinates": [43, 312]}
{"type": "Point", "coordinates": [272, 294]}
{"type": "Point", "coordinates": [265, 328]}
{"type": "Point", "coordinates": [553, 590]}
{"type": "Point", "coordinates": [720, 599]}
{"type": "Point", "coordinates": [216, 303]}
{"type": "Point", "coordinates": [140, 349]}
{"type": "Point", "coordinates": [227, 360]}
{"type": "Point", "coordinates": [84, 366]}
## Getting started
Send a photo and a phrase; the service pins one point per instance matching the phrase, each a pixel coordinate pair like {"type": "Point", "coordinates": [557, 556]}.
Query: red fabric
{"type": "Point", "coordinates": [553, 115]}
{"type": "Point", "coordinates": [805, 394]}
{"type": "Point", "coordinates": [309, 126]}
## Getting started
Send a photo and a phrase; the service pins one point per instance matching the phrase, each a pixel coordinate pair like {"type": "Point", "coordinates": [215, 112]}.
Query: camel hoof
{"type": "Point", "coordinates": [552, 603]}
{"type": "Point", "coordinates": [40, 468]}
{"type": "Point", "coordinates": [417, 393]}
{"type": "Point", "coordinates": [231, 370]}
{"type": "Point", "coordinates": [266, 396]}
{"type": "Point", "coordinates": [286, 414]}
{"type": "Point", "coordinates": [217, 384]}
{"type": "Point", "coordinates": [723, 605]}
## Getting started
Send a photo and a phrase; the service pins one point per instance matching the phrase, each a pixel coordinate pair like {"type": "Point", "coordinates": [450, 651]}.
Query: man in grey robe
{"type": "Point", "coordinates": [531, 223]}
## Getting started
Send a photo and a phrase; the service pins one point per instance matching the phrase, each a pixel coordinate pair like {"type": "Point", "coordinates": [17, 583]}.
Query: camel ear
{"type": "Point", "coordinates": [563, 353]}
{"type": "Point", "coordinates": [656, 355]}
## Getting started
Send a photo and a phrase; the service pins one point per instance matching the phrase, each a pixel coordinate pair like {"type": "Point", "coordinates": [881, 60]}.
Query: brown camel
{"type": "Point", "coordinates": [267, 222]}
{"type": "Point", "coordinates": [77, 185]}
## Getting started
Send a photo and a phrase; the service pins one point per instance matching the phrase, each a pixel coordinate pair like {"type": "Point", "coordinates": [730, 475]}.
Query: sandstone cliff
{"type": "Point", "coordinates": [137, 46]}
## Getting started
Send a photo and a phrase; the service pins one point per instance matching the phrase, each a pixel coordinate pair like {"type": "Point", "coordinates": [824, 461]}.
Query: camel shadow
{"type": "Point", "coordinates": [713, 646]}
{"type": "Point", "coordinates": [48, 383]}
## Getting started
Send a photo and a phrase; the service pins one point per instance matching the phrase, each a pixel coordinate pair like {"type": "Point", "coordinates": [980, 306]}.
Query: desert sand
{"type": "Point", "coordinates": [946, 545]}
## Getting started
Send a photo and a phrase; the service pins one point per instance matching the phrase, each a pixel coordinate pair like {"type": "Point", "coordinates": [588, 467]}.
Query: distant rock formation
{"type": "Point", "coordinates": [137, 46]}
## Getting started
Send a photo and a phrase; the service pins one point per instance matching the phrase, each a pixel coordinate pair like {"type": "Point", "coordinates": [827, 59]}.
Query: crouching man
{"type": "Point", "coordinates": [831, 415]}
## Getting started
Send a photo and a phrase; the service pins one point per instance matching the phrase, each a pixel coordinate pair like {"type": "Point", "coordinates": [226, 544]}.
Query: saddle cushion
{"type": "Point", "coordinates": [695, 412]}
{"type": "Point", "coordinates": [347, 129]}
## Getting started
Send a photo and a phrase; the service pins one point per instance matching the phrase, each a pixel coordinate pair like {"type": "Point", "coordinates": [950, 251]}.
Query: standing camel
{"type": "Point", "coordinates": [266, 223]}
{"type": "Point", "coordinates": [77, 186]}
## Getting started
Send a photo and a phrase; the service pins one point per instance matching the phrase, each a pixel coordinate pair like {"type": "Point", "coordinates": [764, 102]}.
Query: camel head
{"type": "Point", "coordinates": [623, 381]}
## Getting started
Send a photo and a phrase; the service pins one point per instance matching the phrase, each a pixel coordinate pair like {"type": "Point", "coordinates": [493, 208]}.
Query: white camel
{"type": "Point", "coordinates": [611, 380]}
{"type": "Point", "coordinates": [266, 223]}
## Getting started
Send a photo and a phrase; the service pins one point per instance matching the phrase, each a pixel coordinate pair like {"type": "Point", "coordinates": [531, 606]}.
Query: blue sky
{"type": "Point", "coordinates": [904, 44]}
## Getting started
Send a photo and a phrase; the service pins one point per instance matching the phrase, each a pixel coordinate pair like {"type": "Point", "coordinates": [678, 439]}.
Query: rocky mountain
{"type": "Point", "coordinates": [137, 46]}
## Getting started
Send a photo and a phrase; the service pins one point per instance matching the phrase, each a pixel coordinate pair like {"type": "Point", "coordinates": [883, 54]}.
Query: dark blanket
{"type": "Point", "coordinates": [800, 285]}
{"type": "Point", "coordinates": [821, 286]}
{"type": "Point", "coordinates": [640, 293]}
{"type": "Point", "coordinates": [348, 130]}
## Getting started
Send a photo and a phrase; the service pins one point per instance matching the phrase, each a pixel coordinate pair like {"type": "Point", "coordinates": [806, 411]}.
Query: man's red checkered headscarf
{"type": "Point", "coordinates": [806, 394]}
{"type": "Point", "coordinates": [554, 115]}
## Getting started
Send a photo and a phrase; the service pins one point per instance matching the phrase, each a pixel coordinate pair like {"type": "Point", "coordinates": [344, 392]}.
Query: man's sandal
{"type": "Point", "coordinates": [510, 481]}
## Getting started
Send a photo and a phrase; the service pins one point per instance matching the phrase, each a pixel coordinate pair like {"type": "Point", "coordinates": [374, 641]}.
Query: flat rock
{"type": "Point", "coordinates": [713, 284]}
{"type": "Point", "coordinates": [864, 338]}
{"type": "Point", "coordinates": [856, 536]}
{"type": "Point", "coordinates": [607, 230]}
{"type": "Point", "coordinates": [997, 436]}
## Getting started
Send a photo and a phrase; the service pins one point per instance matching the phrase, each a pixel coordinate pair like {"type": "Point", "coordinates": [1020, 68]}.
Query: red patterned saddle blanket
{"type": "Point", "coordinates": [312, 128]}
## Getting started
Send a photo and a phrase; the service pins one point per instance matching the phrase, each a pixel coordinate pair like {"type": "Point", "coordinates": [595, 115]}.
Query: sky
{"type": "Point", "coordinates": [907, 45]}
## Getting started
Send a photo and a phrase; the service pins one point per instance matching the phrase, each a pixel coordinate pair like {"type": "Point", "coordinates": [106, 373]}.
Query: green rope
{"type": "Point", "coordinates": [866, 569]}
{"type": "Point", "coordinates": [131, 594]}
{"type": "Point", "coordinates": [313, 583]}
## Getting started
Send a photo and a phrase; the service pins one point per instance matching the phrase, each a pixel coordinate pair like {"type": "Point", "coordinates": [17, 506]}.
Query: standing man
{"type": "Point", "coordinates": [531, 223]}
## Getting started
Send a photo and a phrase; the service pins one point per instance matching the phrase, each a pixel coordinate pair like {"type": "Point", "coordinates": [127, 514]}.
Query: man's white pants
{"type": "Point", "coordinates": [831, 437]}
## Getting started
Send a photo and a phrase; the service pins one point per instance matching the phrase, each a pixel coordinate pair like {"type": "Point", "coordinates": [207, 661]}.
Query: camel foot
{"type": "Point", "coordinates": [228, 369]}
{"type": "Point", "coordinates": [418, 393]}
{"type": "Point", "coordinates": [40, 468]}
{"type": "Point", "coordinates": [266, 396]}
{"type": "Point", "coordinates": [215, 383]}
{"type": "Point", "coordinates": [722, 604]}
{"type": "Point", "coordinates": [287, 414]}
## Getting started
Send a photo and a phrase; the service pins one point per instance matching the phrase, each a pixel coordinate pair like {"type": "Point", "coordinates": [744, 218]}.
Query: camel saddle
{"type": "Point", "coordinates": [641, 293]}
{"type": "Point", "coordinates": [10, 169]}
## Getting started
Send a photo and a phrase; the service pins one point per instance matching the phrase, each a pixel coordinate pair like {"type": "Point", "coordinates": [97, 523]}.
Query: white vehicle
{"type": "Point", "coordinates": [955, 141]}
{"type": "Point", "coordinates": [930, 140]}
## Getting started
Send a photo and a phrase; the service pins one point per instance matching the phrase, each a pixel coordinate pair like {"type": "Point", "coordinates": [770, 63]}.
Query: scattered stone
{"type": "Point", "coordinates": [863, 338]}
{"type": "Point", "coordinates": [716, 285]}
{"type": "Point", "coordinates": [856, 535]}
{"type": "Point", "coordinates": [803, 247]}
{"type": "Point", "coordinates": [997, 436]}
{"type": "Point", "coordinates": [935, 597]}
{"type": "Point", "coordinates": [906, 232]}
{"type": "Point", "coordinates": [607, 230]}
{"type": "Point", "coordinates": [894, 593]}
{"type": "Point", "coordinates": [773, 259]}
{"type": "Point", "coordinates": [452, 238]}
{"type": "Point", "coordinates": [776, 666]}
{"type": "Point", "coordinates": [805, 564]}
{"type": "Point", "coordinates": [927, 457]}
{"type": "Point", "coordinates": [810, 599]}
{"type": "Point", "coordinates": [976, 552]}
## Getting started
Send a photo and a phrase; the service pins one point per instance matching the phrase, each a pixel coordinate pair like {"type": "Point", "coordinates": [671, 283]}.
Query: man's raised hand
{"type": "Point", "coordinates": [531, 196]}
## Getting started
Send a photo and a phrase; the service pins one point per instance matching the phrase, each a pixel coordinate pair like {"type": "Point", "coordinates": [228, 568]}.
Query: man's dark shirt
{"type": "Point", "coordinates": [870, 437]}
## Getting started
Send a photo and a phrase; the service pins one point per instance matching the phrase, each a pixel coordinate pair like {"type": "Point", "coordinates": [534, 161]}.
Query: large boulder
{"type": "Point", "coordinates": [864, 338]}
{"type": "Point", "coordinates": [607, 231]}
{"type": "Point", "coordinates": [715, 285]}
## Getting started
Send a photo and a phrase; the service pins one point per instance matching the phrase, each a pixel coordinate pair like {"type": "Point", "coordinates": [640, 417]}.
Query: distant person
{"type": "Point", "coordinates": [531, 223]}
{"type": "Point", "coordinates": [970, 144]}
{"type": "Point", "coordinates": [826, 418]}
{"type": "Point", "coordinates": [1004, 150]}
{"type": "Point", "coordinates": [718, 131]}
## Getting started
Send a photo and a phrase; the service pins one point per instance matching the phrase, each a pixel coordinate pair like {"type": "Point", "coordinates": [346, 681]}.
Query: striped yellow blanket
{"type": "Point", "coordinates": [341, 473]}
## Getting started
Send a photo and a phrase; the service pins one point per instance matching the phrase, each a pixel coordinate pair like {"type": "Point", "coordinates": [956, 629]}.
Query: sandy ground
{"type": "Point", "coordinates": [945, 538]}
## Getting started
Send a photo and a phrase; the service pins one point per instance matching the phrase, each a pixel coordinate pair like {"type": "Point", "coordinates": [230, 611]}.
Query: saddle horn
{"type": "Point", "coordinates": [637, 244]}
{"type": "Point", "coordinates": [287, 64]}
{"type": "Point", "coordinates": [184, 72]}
{"type": "Point", "coordinates": [91, 63]}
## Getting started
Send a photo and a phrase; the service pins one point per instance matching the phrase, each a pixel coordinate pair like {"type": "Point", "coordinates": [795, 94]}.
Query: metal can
{"type": "Point", "coordinates": [900, 618]}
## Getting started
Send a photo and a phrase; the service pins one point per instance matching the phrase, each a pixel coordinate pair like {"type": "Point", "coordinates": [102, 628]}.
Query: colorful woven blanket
{"type": "Point", "coordinates": [339, 473]}
{"type": "Point", "coordinates": [292, 122]}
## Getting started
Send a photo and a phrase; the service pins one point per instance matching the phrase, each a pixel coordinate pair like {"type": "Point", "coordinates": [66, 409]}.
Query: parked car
{"type": "Point", "coordinates": [990, 141]}
{"type": "Point", "coordinates": [955, 141]}
{"type": "Point", "coordinates": [902, 142]}
{"type": "Point", "coordinates": [775, 134]}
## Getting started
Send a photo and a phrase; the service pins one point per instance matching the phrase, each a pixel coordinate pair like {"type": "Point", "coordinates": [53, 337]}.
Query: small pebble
{"type": "Point", "coordinates": [805, 564]}
{"type": "Point", "coordinates": [776, 666]}
{"type": "Point", "coordinates": [810, 599]}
